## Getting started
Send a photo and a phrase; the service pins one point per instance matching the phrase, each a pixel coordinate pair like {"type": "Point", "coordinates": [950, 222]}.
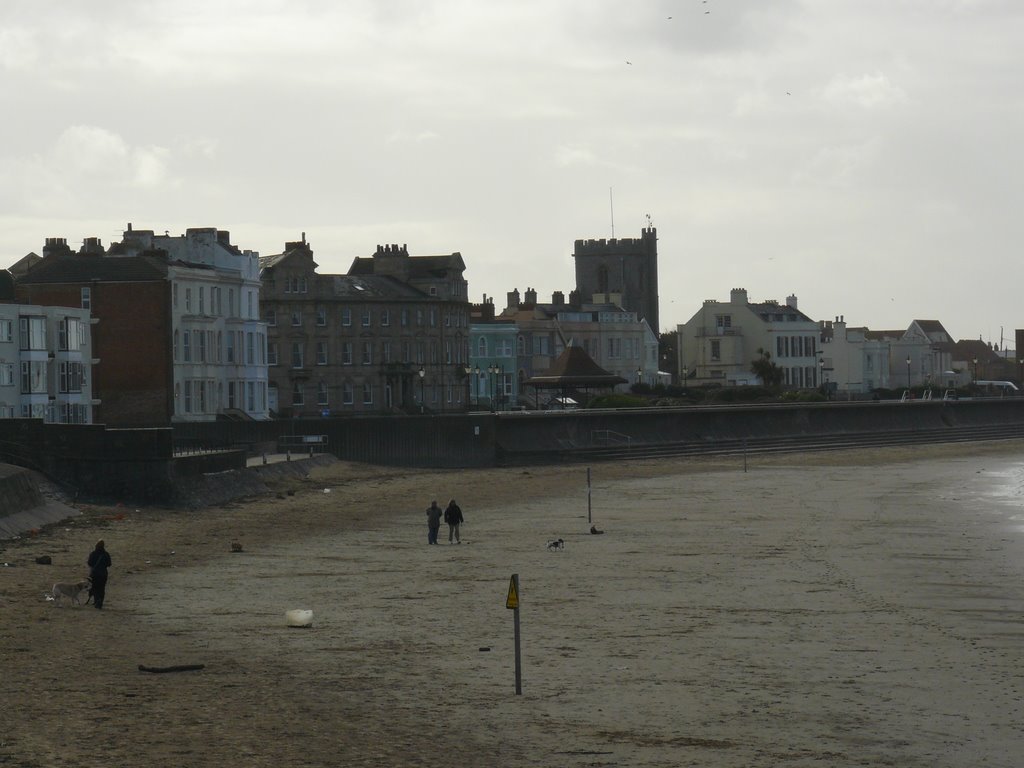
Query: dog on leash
{"type": "Point", "coordinates": [70, 591]}
{"type": "Point", "coordinates": [556, 544]}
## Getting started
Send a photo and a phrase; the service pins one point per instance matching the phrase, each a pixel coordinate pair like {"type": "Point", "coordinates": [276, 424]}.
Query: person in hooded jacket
{"type": "Point", "coordinates": [453, 516]}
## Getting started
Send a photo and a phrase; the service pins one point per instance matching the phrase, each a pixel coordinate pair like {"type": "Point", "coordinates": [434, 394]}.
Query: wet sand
{"type": "Point", "coordinates": [843, 609]}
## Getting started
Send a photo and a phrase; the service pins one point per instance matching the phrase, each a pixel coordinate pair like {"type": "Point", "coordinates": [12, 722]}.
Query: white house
{"type": "Point", "coordinates": [721, 341]}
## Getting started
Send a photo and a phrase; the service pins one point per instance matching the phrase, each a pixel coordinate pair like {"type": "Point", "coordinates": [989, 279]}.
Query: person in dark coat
{"type": "Point", "coordinates": [453, 516]}
{"type": "Point", "coordinates": [98, 562]}
{"type": "Point", "coordinates": [433, 522]}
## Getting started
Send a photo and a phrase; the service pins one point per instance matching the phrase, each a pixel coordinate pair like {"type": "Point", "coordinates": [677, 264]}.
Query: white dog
{"type": "Point", "coordinates": [70, 591]}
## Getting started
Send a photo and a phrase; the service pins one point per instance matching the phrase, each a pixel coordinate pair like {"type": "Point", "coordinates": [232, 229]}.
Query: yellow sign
{"type": "Point", "coordinates": [512, 601]}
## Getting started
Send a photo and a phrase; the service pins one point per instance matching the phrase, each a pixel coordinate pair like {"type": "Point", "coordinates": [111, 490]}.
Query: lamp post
{"type": "Point", "coordinates": [975, 361]}
{"type": "Point", "coordinates": [476, 385]}
{"type": "Point", "coordinates": [491, 370]}
{"type": "Point", "coordinates": [821, 373]}
{"type": "Point", "coordinates": [468, 371]}
{"type": "Point", "coordinates": [686, 375]}
{"type": "Point", "coordinates": [908, 371]}
{"type": "Point", "coordinates": [422, 375]}
{"type": "Point", "coordinates": [639, 375]}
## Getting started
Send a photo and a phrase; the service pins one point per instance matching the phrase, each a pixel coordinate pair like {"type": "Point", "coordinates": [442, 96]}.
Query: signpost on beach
{"type": "Point", "coordinates": [512, 601]}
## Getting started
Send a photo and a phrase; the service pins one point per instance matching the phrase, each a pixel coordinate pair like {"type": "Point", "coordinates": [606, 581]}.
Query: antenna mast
{"type": "Point", "coordinates": [611, 208]}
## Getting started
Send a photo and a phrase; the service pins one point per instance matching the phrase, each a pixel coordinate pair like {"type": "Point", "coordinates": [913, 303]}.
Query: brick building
{"type": "Point", "coordinates": [175, 333]}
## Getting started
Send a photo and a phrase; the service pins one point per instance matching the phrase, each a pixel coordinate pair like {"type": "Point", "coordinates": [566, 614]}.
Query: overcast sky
{"type": "Point", "coordinates": [862, 155]}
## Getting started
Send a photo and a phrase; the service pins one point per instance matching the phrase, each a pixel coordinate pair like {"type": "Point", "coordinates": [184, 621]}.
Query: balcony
{"type": "Point", "coordinates": [704, 333]}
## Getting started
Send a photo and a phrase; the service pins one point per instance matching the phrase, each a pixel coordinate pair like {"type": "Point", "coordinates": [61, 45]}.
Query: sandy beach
{"type": "Point", "coordinates": [863, 608]}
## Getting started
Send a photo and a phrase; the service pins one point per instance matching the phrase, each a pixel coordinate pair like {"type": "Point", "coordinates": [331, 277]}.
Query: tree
{"type": "Point", "coordinates": [763, 367]}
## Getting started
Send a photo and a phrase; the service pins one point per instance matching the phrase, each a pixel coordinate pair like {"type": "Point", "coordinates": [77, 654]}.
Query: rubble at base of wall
{"type": "Point", "coordinates": [209, 490]}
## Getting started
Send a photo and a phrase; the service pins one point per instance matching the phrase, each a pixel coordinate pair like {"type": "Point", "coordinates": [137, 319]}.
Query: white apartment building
{"type": "Point", "coordinates": [721, 341]}
{"type": "Point", "coordinates": [45, 363]}
{"type": "Point", "coordinates": [219, 343]}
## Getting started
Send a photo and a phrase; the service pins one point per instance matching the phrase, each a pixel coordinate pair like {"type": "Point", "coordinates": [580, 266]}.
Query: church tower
{"type": "Point", "coordinates": [627, 267]}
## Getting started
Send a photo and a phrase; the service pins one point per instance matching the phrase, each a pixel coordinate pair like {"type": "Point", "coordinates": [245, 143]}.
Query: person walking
{"type": "Point", "coordinates": [433, 522]}
{"type": "Point", "coordinates": [453, 516]}
{"type": "Point", "coordinates": [98, 562]}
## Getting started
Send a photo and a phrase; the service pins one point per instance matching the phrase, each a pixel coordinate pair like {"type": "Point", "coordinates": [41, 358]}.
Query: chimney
{"type": "Point", "coordinates": [530, 298]}
{"type": "Point", "coordinates": [55, 246]}
{"type": "Point", "coordinates": [92, 246]}
{"type": "Point", "coordinates": [558, 299]}
{"type": "Point", "coordinates": [513, 299]}
{"type": "Point", "coordinates": [738, 296]}
{"type": "Point", "coordinates": [791, 301]}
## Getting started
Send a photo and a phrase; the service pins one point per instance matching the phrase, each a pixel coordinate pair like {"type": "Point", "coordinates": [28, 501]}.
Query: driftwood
{"type": "Point", "coordinates": [178, 668]}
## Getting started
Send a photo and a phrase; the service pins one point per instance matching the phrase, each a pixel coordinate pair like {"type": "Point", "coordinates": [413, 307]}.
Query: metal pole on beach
{"type": "Point", "coordinates": [588, 496]}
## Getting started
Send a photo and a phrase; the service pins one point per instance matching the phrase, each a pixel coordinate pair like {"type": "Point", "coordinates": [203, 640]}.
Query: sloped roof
{"type": "Point", "coordinates": [81, 268]}
{"type": "Point", "coordinates": [575, 368]}
{"type": "Point", "coordinates": [968, 349]}
{"type": "Point", "coordinates": [419, 266]}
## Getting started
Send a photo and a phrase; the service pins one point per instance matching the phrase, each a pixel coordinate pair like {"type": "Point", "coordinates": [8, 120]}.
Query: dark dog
{"type": "Point", "coordinates": [556, 544]}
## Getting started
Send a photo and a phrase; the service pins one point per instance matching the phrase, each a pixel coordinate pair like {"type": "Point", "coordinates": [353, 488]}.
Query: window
{"type": "Point", "coordinates": [70, 377]}
{"type": "Point", "coordinates": [504, 348]}
{"type": "Point", "coordinates": [321, 316]}
{"type": "Point", "coordinates": [347, 396]}
{"type": "Point", "coordinates": [346, 317]}
{"type": "Point", "coordinates": [366, 318]}
{"type": "Point", "coordinates": [406, 352]}
{"type": "Point", "coordinates": [33, 376]}
{"type": "Point", "coordinates": [202, 300]}
{"type": "Point", "coordinates": [541, 345]}
{"type": "Point", "coordinates": [6, 330]}
{"type": "Point", "coordinates": [419, 317]}
{"type": "Point", "coordinates": [174, 295]}
{"type": "Point", "coordinates": [615, 347]}
{"type": "Point", "coordinates": [271, 353]}
{"type": "Point", "coordinates": [232, 402]}
{"type": "Point", "coordinates": [716, 350]}
{"type": "Point", "coordinates": [405, 317]}
{"type": "Point", "coordinates": [385, 318]}
{"type": "Point", "coordinates": [723, 322]}
{"type": "Point", "coordinates": [481, 347]}
{"type": "Point", "coordinates": [296, 318]}
{"type": "Point", "coordinates": [250, 396]}
{"type": "Point", "coordinates": [6, 374]}
{"type": "Point", "coordinates": [321, 393]}
{"type": "Point", "coordinates": [521, 345]}
{"type": "Point", "coordinates": [200, 346]}
{"type": "Point", "coordinates": [230, 348]}
{"type": "Point", "coordinates": [297, 394]}
{"type": "Point", "coordinates": [33, 332]}
{"type": "Point", "coordinates": [385, 352]}
{"type": "Point", "coordinates": [188, 299]}
{"type": "Point", "coordinates": [271, 317]}
{"type": "Point", "coordinates": [367, 394]}
{"type": "Point", "coordinates": [433, 317]}
{"type": "Point", "coordinates": [321, 353]}
{"type": "Point", "coordinates": [250, 348]}
{"type": "Point", "coordinates": [297, 354]}
{"type": "Point", "coordinates": [186, 346]}
{"type": "Point", "coordinates": [346, 353]}
{"type": "Point", "coordinates": [87, 297]}
{"type": "Point", "coordinates": [367, 353]}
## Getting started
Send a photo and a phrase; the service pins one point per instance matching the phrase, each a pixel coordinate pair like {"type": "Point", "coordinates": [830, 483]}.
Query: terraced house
{"type": "Point", "coordinates": [389, 336]}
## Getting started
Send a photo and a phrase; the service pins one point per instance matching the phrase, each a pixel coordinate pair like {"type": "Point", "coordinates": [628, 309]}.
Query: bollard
{"type": "Point", "coordinates": [264, 458]}
{"type": "Point", "coordinates": [288, 455]}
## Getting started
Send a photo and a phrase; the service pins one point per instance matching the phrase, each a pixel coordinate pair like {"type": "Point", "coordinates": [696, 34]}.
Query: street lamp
{"type": "Point", "coordinates": [476, 386]}
{"type": "Point", "coordinates": [468, 371]}
{"type": "Point", "coordinates": [686, 375]}
{"type": "Point", "coordinates": [491, 370]}
{"type": "Point", "coordinates": [908, 371]}
{"type": "Point", "coordinates": [639, 375]}
{"type": "Point", "coordinates": [975, 361]}
{"type": "Point", "coordinates": [422, 375]}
